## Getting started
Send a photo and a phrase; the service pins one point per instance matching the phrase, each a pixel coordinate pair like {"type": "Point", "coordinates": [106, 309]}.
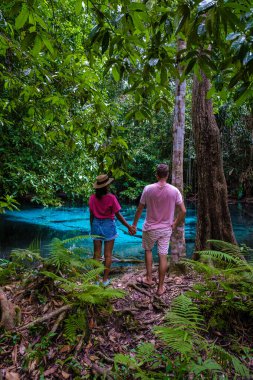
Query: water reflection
{"type": "Point", "coordinates": [19, 228]}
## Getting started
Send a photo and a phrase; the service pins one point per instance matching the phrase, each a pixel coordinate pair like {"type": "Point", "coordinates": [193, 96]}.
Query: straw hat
{"type": "Point", "coordinates": [102, 181]}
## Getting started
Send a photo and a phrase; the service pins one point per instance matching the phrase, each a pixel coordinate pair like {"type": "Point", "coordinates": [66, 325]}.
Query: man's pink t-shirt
{"type": "Point", "coordinates": [105, 207]}
{"type": "Point", "coordinates": [160, 201]}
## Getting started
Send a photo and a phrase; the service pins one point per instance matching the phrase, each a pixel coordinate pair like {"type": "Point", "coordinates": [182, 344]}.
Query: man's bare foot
{"type": "Point", "coordinates": [144, 281]}
{"type": "Point", "coordinates": [160, 291]}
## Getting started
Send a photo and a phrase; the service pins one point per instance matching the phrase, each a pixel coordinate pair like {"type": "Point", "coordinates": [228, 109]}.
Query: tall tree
{"type": "Point", "coordinates": [213, 219]}
{"type": "Point", "coordinates": [178, 248]}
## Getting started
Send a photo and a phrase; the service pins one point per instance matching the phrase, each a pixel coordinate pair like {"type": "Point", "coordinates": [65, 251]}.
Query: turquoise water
{"type": "Point", "coordinates": [19, 228]}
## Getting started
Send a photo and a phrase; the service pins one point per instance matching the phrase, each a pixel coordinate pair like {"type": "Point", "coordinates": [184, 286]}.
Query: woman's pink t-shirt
{"type": "Point", "coordinates": [160, 201]}
{"type": "Point", "coordinates": [105, 207]}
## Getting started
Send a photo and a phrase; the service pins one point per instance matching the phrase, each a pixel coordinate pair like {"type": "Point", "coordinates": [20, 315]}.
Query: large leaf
{"type": "Point", "coordinates": [22, 17]}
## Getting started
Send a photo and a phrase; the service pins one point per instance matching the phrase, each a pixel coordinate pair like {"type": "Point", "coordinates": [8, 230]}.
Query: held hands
{"type": "Point", "coordinates": [132, 230]}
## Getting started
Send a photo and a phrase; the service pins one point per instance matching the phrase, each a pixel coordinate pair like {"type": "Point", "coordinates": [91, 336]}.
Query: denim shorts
{"type": "Point", "coordinates": [105, 229]}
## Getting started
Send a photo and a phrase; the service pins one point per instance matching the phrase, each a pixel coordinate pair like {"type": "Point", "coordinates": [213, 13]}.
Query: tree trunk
{"type": "Point", "coordinates": [178, 237]}
{"type": "Point", "coordinates": [213, 217]}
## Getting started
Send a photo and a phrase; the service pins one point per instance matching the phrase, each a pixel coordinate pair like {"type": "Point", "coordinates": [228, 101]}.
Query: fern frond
{"type": "Point", "coordinates": [35, 246]}
{"type": "Point", "coordinates": [4, 263]}
{"type": "Point", "coordinates": [184, 314]}
{"type": "Point", "coordinates": [125, 360]}
{"type": "Point", "coordinates": [75, 239]}
{"type": "Point", "coordinates": [67, 285]}
{"type": "Point", "coordinates": [232, 249]}
{"type": "Point", "coordinates": [59, 255]}
{"type": "Point", "coordinates": [206, 366]}
{"type": "Point", "coordinates": [97, 295]}
{"type": "Point", "coordinates": [75, 324]}
{"type": "Point", "coordinates": [85, 265]}
{"type": "Point", "coordinates": [25, 257]}
{"type": "Point", "coordinates": [221, 256]}
{"type": "Point", "coordinates": [200, 267]}
{"type": "Point", "coordinates": [225, 358]}
{"type": "Point", "coordinates": [92, 275]}
{"type": "Point", "coordinates": [178, 340]}
{"type": "Point", "coordinates": [183, 323]}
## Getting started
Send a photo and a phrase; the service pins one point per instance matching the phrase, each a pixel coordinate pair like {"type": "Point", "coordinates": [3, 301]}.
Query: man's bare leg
{"type": "Point", "coordinates": [149, 262]}
{"type": "Point", "coordinates": [163, 266]}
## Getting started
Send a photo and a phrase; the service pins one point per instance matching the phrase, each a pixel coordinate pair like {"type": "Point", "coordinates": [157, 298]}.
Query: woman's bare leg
{"type": "Point", "coordinates": [108, 247]}
{"type": "Point", "coordinates": [97, 244]}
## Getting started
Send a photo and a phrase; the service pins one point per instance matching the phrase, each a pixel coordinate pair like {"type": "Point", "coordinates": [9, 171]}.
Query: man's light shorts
{"type": "Point", "coordinates": [161, 237]}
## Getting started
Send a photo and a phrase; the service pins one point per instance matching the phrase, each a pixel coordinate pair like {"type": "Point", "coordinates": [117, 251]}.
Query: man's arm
{"type": "Point", "coordinates": [180, 212]}
{"type": "Point", "coordinates": [138, 214]}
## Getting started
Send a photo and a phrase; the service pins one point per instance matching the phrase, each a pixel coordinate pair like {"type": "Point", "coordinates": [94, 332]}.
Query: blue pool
{"type": "Point", "coordinates": [19, 228]}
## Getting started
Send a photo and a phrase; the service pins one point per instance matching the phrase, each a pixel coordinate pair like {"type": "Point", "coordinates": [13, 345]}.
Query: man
{"type": "Point", "coordinates": [160, 199]}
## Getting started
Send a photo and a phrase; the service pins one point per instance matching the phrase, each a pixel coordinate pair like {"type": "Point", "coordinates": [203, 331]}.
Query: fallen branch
{"type": "Point", "coordinates": [45, 317]}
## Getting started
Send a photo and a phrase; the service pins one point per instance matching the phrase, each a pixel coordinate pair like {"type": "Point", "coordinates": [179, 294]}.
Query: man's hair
{"type": "Point", "coordinates": [162, 170]}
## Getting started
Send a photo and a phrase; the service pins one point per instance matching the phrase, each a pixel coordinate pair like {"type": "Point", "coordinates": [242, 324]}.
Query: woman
{"type": "Point", "coordinates": [104, 206]}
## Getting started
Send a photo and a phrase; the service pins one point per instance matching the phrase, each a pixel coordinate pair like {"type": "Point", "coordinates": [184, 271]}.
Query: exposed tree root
{"type": "Point", "coordinates": [45, 317]}
{"type": "Point", "coordinates": [9, 312]}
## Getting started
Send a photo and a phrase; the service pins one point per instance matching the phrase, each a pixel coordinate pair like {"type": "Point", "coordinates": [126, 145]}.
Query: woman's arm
{"type": "Point", "coordinates": [91, 217]}
{"type": "Point", "coordinates": [131, 229]}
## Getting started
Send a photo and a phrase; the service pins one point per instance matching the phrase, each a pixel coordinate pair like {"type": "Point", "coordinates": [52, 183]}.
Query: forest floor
{"type": "Point", "coordinates": [41, 351]}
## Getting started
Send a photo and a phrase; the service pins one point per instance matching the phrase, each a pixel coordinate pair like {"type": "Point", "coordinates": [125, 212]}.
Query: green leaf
{"type": "Point", "coordinates": [137, 6]}
{"type": "Point", "coordinates": [115, 73]}
{"type": "Point", "coordinates": [139, 116]}
{"type": "Point", "coordinates": [78, 6]}
{"type": "Point", "coordinates": [164, 76]}
{"type": "Point", "coordinates": [37, 46]}
{"type": "Point", "coordinates": [48, 44]}
{"type": "Point", "coordinates": [105, 41]}
{"type": "Point", "coordinates": [22, 17]}
{"type": "Point", "coordinates": [137, 22]}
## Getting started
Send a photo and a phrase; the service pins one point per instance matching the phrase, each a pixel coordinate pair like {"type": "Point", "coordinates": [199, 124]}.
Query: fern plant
{"type": "Point", "coordinates": [84, 292]}
{"type": "Point", "coordinates": [75, 325]}
{"type": "Point", "coordinates": [186, 353]}
{"type": "Point", "coordinates": [226, 294]}
{"type": "Point", "coordinates": [142, 363]}
{"type": "Point", "coordinates": [184, 333]}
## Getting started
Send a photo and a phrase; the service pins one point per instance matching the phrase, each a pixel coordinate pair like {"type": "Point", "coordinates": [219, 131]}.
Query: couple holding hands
{"type": "Point", "coordinates": [160, 199]}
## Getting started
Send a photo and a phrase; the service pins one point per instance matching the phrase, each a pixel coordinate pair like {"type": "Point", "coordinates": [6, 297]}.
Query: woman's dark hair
{"type": "Point", "coordinates": [100, 192]}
